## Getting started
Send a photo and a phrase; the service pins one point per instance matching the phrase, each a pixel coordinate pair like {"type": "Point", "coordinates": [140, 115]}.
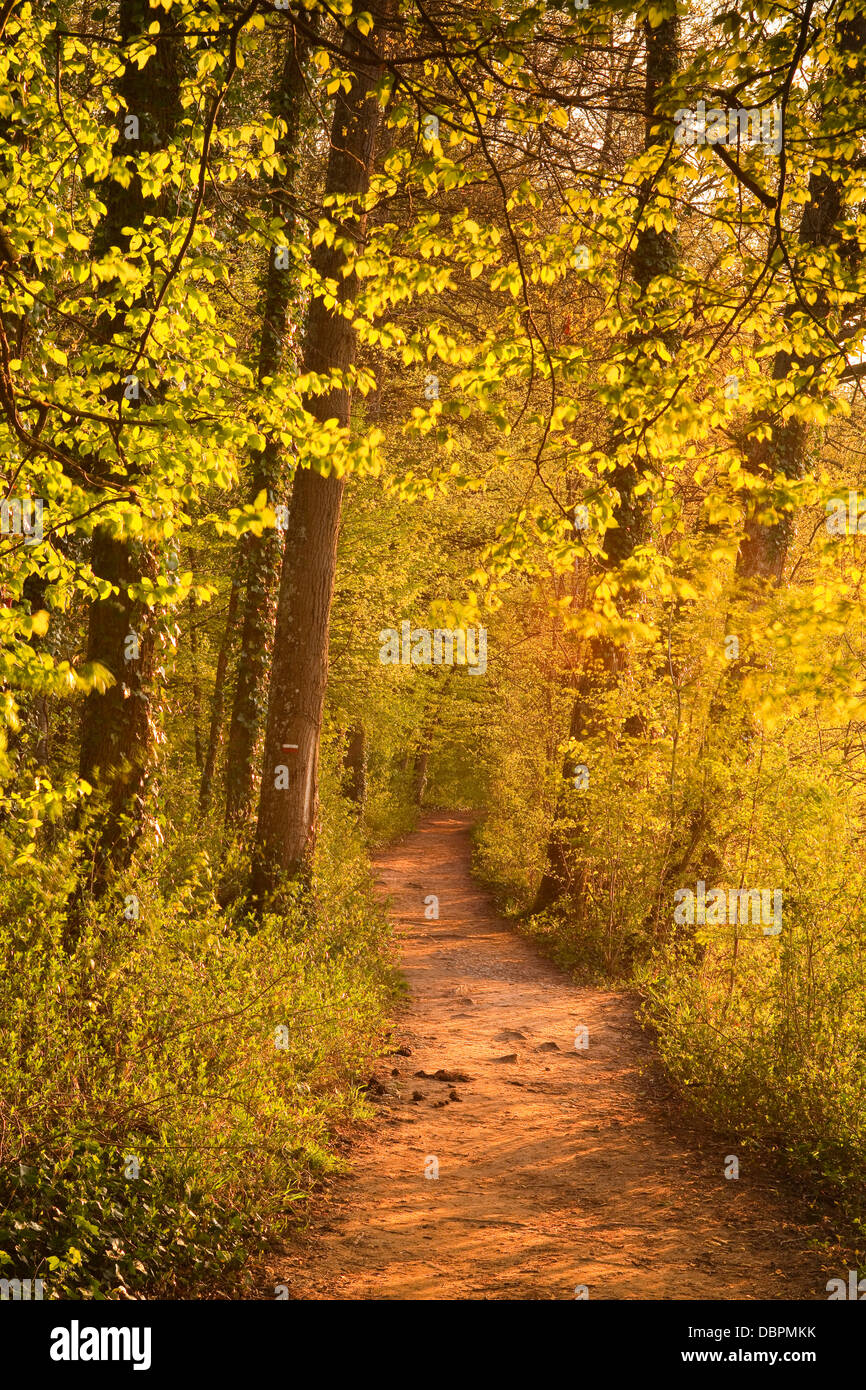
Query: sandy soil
{"type": "Point", "coordinates": [558, 1167]}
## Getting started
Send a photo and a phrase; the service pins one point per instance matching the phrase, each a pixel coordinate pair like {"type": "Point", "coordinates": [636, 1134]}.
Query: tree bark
{"type": "Point", "coordinates": [216, 719]}
{"type": "Point", "coordinates": [285, 831]}
{"type": "Point", "coordinates": [656, 253]}
{"type": "Point", "coordinates": [355, 763]}
{"type": "Point", "coordinates": [419, 775]}
{"type": "Point", "coordinates": [764, 547]}
{"type": "Point", "coordinates": [118, 730]}
{"type": "Point", "coordinates": [259, 556]}
{"type": "Point", "coordinates": [196, 686]}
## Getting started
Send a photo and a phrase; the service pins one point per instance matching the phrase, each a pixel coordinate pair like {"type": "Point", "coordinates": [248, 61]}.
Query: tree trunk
{"type": "Point", "coordinates": [656, 253]}
{"type": "Point", "coordinates": [764, 548]}
{"type": "Point", "coordinates": [355, 763]}
{"type": "Point", "coordinates": [216, 719]}
{"type": "Point", "coordinates": [196, 687]}
{"type": "Point", "coordinates": [259, 556]}
{"type": "Point", "coordinates": [556, 872]}
{"type": "Point", "coordinates": [419, 775]}
{"type": "Point", "coordinates": [118, 732]}
{"type": "Point", "coordinates": [285, 832]}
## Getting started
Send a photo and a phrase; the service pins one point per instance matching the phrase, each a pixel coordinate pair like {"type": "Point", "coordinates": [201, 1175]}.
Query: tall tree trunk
{"type": "Point", "coordinates": [260, 555]}
{"type": "Point", "coordinates": [764, 547]}
{"type": "Point", "coordinates": [556, 867]}
{"type": "Point", "coordinates": [285, 831]}
{"type": "Point", "coordinates": [196, 687]}
{"type": "Point", "coordinates": [216, 719]}
{"type": "Point", "coordinates": [355, 763]}
{"type": "Point", "coordinates": [656, 253]}
{"type": "Point", "coordinates": [419, 775]}
{"type": "Point", "coordinates": [118, 732]}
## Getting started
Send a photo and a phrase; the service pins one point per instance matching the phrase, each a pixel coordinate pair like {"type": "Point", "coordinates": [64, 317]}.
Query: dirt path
{"type": "Point", "coordinates": [557, 1167]}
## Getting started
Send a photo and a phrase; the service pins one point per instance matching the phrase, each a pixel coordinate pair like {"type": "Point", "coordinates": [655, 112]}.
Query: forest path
{"type": "Point", "coordinates": [557, 1167]}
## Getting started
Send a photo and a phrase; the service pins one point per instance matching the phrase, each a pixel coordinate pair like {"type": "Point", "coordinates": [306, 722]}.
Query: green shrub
{"type": "Point", "coordinates": [155, 1039]}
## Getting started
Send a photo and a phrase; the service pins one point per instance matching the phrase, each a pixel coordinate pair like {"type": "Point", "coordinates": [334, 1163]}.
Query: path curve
{"type": "Point", "coordinates": [558, 1168]}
